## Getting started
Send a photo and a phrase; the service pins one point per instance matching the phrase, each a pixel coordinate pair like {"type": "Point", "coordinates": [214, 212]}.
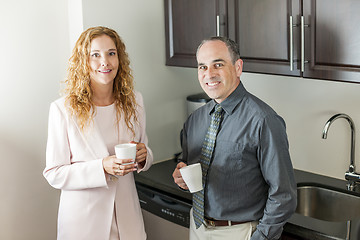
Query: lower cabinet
{"type": "Point", "coordinates": [288, 236]}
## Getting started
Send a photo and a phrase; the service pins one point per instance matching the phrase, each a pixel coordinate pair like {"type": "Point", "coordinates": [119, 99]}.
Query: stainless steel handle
{"type": "Point", "coordinates": [302, 44]}
{"type": "Point", "coordinates": [303, 25]}
{"type": "Point", "coordinates": [348, 229]}
{"type": "Point", "coordinates": [291, 44]}
{"type": "Point", "coordinates": [217, 25]}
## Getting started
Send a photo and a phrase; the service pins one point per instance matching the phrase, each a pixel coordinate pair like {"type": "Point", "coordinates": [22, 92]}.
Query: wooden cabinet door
{"type": "Point", "coordinates": [262, 29]}
{"type": "Point", "coordinates": [187, 23]}
{"type": "Point", "coordinates": [332, 39]}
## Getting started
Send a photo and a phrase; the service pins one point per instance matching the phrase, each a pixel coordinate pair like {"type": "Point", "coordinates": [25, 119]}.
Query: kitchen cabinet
{"type": "Point", "coordinates": [305, 38]}
{"type": "Point", "coordinates": [187, 23]}
{"type": "Point", "coordinates": [332, 39]}
{"type": "Point", "coordinates": [261, 28]}
{"type": "Point", "coordinates": [308, 38]}
{"type": "Point", "coordinates": [286, 236]}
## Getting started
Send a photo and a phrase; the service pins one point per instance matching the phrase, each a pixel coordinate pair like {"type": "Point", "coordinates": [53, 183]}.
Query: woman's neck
{"type": "Point", "coordinates": [102, 96]}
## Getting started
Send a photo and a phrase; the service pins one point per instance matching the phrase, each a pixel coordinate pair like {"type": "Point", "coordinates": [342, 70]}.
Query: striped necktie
{"type": "Point", "coordinates": [205, 160]}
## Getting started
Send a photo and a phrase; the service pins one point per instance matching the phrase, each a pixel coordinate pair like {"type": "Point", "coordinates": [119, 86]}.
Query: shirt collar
{"type": "Point", "coordinates": [231, 101]}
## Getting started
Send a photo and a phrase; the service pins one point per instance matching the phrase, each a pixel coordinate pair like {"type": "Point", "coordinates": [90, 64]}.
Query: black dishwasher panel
{"type": "Point", "coordinates": [164, 205]}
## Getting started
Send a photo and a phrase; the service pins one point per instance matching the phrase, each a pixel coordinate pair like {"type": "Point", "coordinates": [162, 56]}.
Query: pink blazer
{"type": "Point", "coordinates": [88, 194]}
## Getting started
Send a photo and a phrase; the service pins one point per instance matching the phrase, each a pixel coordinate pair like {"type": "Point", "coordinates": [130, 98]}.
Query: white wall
{"type": "Point", "coordinates": [306, 105]}
{"type": "Point", "coordinates": [34, 50]}
{"type": "Point", "coordinates": [141, 25]}
{"type": "Point", "coordinates": [35, 45]}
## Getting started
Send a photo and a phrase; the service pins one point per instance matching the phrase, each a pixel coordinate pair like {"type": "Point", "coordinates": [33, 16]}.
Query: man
{"type": "Point", "coordinates": [249, 186]}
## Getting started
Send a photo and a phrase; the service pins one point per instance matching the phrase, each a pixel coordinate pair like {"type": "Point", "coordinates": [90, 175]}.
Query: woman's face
{"type": "Point", "coordinates": [103, 60]}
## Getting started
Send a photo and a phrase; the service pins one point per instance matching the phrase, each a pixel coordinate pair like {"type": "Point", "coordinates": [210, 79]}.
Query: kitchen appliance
{"type": "Point", "coordinates": [165, 207]}
{"type": "Point", "coordinates": [195, 101]}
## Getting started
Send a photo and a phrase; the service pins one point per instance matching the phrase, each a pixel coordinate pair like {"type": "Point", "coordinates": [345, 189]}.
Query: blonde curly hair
{"type": "Point", "coordinates": [78, 90]}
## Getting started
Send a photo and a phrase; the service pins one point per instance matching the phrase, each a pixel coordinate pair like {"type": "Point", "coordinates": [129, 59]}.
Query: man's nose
{"type": "Point", "coordinates": [210, 72]}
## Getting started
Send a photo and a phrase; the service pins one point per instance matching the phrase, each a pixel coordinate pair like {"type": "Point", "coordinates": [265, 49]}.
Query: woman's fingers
{"type": "Point", "coordinates": [123, 169]}
{"type": "Point", "coordinates": [119, 167]}
{"type": "Point", "coordinates": [141, 152]}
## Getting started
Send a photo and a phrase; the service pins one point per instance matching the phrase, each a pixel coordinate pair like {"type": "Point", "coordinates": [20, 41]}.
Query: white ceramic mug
{"type": "Point", "coordinates": [126, 151]}
{"type": "Point", "coordinates": [192, 176]}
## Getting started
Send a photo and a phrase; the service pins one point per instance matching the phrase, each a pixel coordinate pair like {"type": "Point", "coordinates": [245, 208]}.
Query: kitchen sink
{"type": "Point", "coordinates": [326, 204]}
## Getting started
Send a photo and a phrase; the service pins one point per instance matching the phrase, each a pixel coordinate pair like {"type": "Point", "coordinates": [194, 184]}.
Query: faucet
{"type": "Point", "coordinates": [351, 176]}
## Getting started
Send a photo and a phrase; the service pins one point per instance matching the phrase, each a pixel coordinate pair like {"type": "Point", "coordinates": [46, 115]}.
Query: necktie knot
{"type": "Point", "coordinates": [218, 108]}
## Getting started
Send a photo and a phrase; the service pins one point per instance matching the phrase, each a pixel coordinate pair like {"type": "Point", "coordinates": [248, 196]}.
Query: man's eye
{"type": "Point", "coordinates": [202, 67]}
{"type": "Point", "coordinates": [218, 65]}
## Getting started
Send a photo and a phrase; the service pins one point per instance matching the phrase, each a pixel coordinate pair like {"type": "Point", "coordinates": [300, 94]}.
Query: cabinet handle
{"type": "Point", "coordinates": [303, 25]}
{"type": "Point", "coordinates": [291, 44]}
{"type": "Point", "coordinates": [302, 44]}
{"type": "Point", "coordinates": [217, 25]}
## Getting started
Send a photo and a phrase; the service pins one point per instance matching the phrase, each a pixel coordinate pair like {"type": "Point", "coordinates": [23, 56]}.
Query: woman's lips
{"type": "Point", "coordinates": [105, 71]}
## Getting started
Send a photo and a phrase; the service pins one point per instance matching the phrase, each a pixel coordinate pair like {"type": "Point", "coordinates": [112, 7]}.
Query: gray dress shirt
{"type": "Point", "coordinates": [251, 175]}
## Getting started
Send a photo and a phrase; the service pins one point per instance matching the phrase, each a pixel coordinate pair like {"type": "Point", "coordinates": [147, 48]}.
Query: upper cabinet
{"type": "Point", "coordinates": [188, 22]}
{"type": "Point", "coordinates": [332, 39]}
{"type": "Point", "coordinates": [306, 38]}
{"type": "Point", "coordinates": [262, 29]}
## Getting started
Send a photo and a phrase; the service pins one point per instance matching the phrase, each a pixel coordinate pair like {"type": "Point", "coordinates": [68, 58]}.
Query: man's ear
{"type": "Point", "coordinates": [239, 67]}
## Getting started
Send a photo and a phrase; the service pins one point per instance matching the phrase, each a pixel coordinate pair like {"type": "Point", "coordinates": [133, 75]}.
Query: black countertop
{"type": "Point", "coordinates": [159, 177]}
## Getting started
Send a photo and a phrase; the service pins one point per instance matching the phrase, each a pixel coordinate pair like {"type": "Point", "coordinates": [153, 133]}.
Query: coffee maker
{"type": "Point", "coordinates": [195, 101]}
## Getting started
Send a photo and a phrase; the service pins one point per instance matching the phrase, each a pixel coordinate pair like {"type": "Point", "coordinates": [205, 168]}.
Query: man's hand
{"type": "Point", "coordinates": [177, 176]}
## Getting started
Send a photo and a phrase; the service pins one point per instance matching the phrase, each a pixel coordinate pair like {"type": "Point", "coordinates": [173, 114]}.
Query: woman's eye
{"type": "Point", "coordinates": [112, 53]}
{"type": "Point", "coordinates": [95, 55]}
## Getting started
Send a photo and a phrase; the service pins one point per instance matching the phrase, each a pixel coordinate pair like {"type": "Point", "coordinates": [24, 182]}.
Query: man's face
{"type": "Point", "coordinates": [217, 75]}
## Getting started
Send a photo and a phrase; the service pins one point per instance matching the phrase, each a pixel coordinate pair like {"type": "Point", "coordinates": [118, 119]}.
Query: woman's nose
{"type": "Point", "coordinates": [104, 61]}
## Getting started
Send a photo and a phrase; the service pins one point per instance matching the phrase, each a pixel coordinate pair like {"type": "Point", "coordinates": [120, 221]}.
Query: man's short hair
{"type": "Point", "coordinates": [232, 46]}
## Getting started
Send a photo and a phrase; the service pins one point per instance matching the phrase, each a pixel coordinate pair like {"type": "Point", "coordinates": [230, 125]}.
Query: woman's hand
{"type": "Point", "coordinates": [119, 167]}
{"type": "Point", "coordinates": [141, 154]}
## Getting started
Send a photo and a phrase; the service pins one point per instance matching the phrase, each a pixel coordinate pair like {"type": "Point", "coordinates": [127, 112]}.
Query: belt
{"type": "Point", "coordinates": [218, 223]}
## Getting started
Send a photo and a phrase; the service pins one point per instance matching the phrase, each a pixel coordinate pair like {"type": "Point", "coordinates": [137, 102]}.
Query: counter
{"type": "Point", "coordinates": [159, 177]}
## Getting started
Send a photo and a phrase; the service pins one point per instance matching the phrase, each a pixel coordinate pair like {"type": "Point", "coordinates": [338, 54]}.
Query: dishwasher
{"type": "Point", "coordinates": [165, 207]}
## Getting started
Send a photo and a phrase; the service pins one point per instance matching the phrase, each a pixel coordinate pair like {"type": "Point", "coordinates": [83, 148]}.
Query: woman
{"type": "Point", "coordinates": [99, 110]}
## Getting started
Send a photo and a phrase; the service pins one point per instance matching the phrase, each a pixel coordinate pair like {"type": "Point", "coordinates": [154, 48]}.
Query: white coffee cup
{"type": "Point", "coordinates": [126, 151]}
{"type": "Point", "coordinates": [192, 176]}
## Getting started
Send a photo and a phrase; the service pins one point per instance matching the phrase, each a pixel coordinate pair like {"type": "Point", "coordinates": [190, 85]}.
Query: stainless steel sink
{"type": "Point", "coordinates": [326, 204]}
